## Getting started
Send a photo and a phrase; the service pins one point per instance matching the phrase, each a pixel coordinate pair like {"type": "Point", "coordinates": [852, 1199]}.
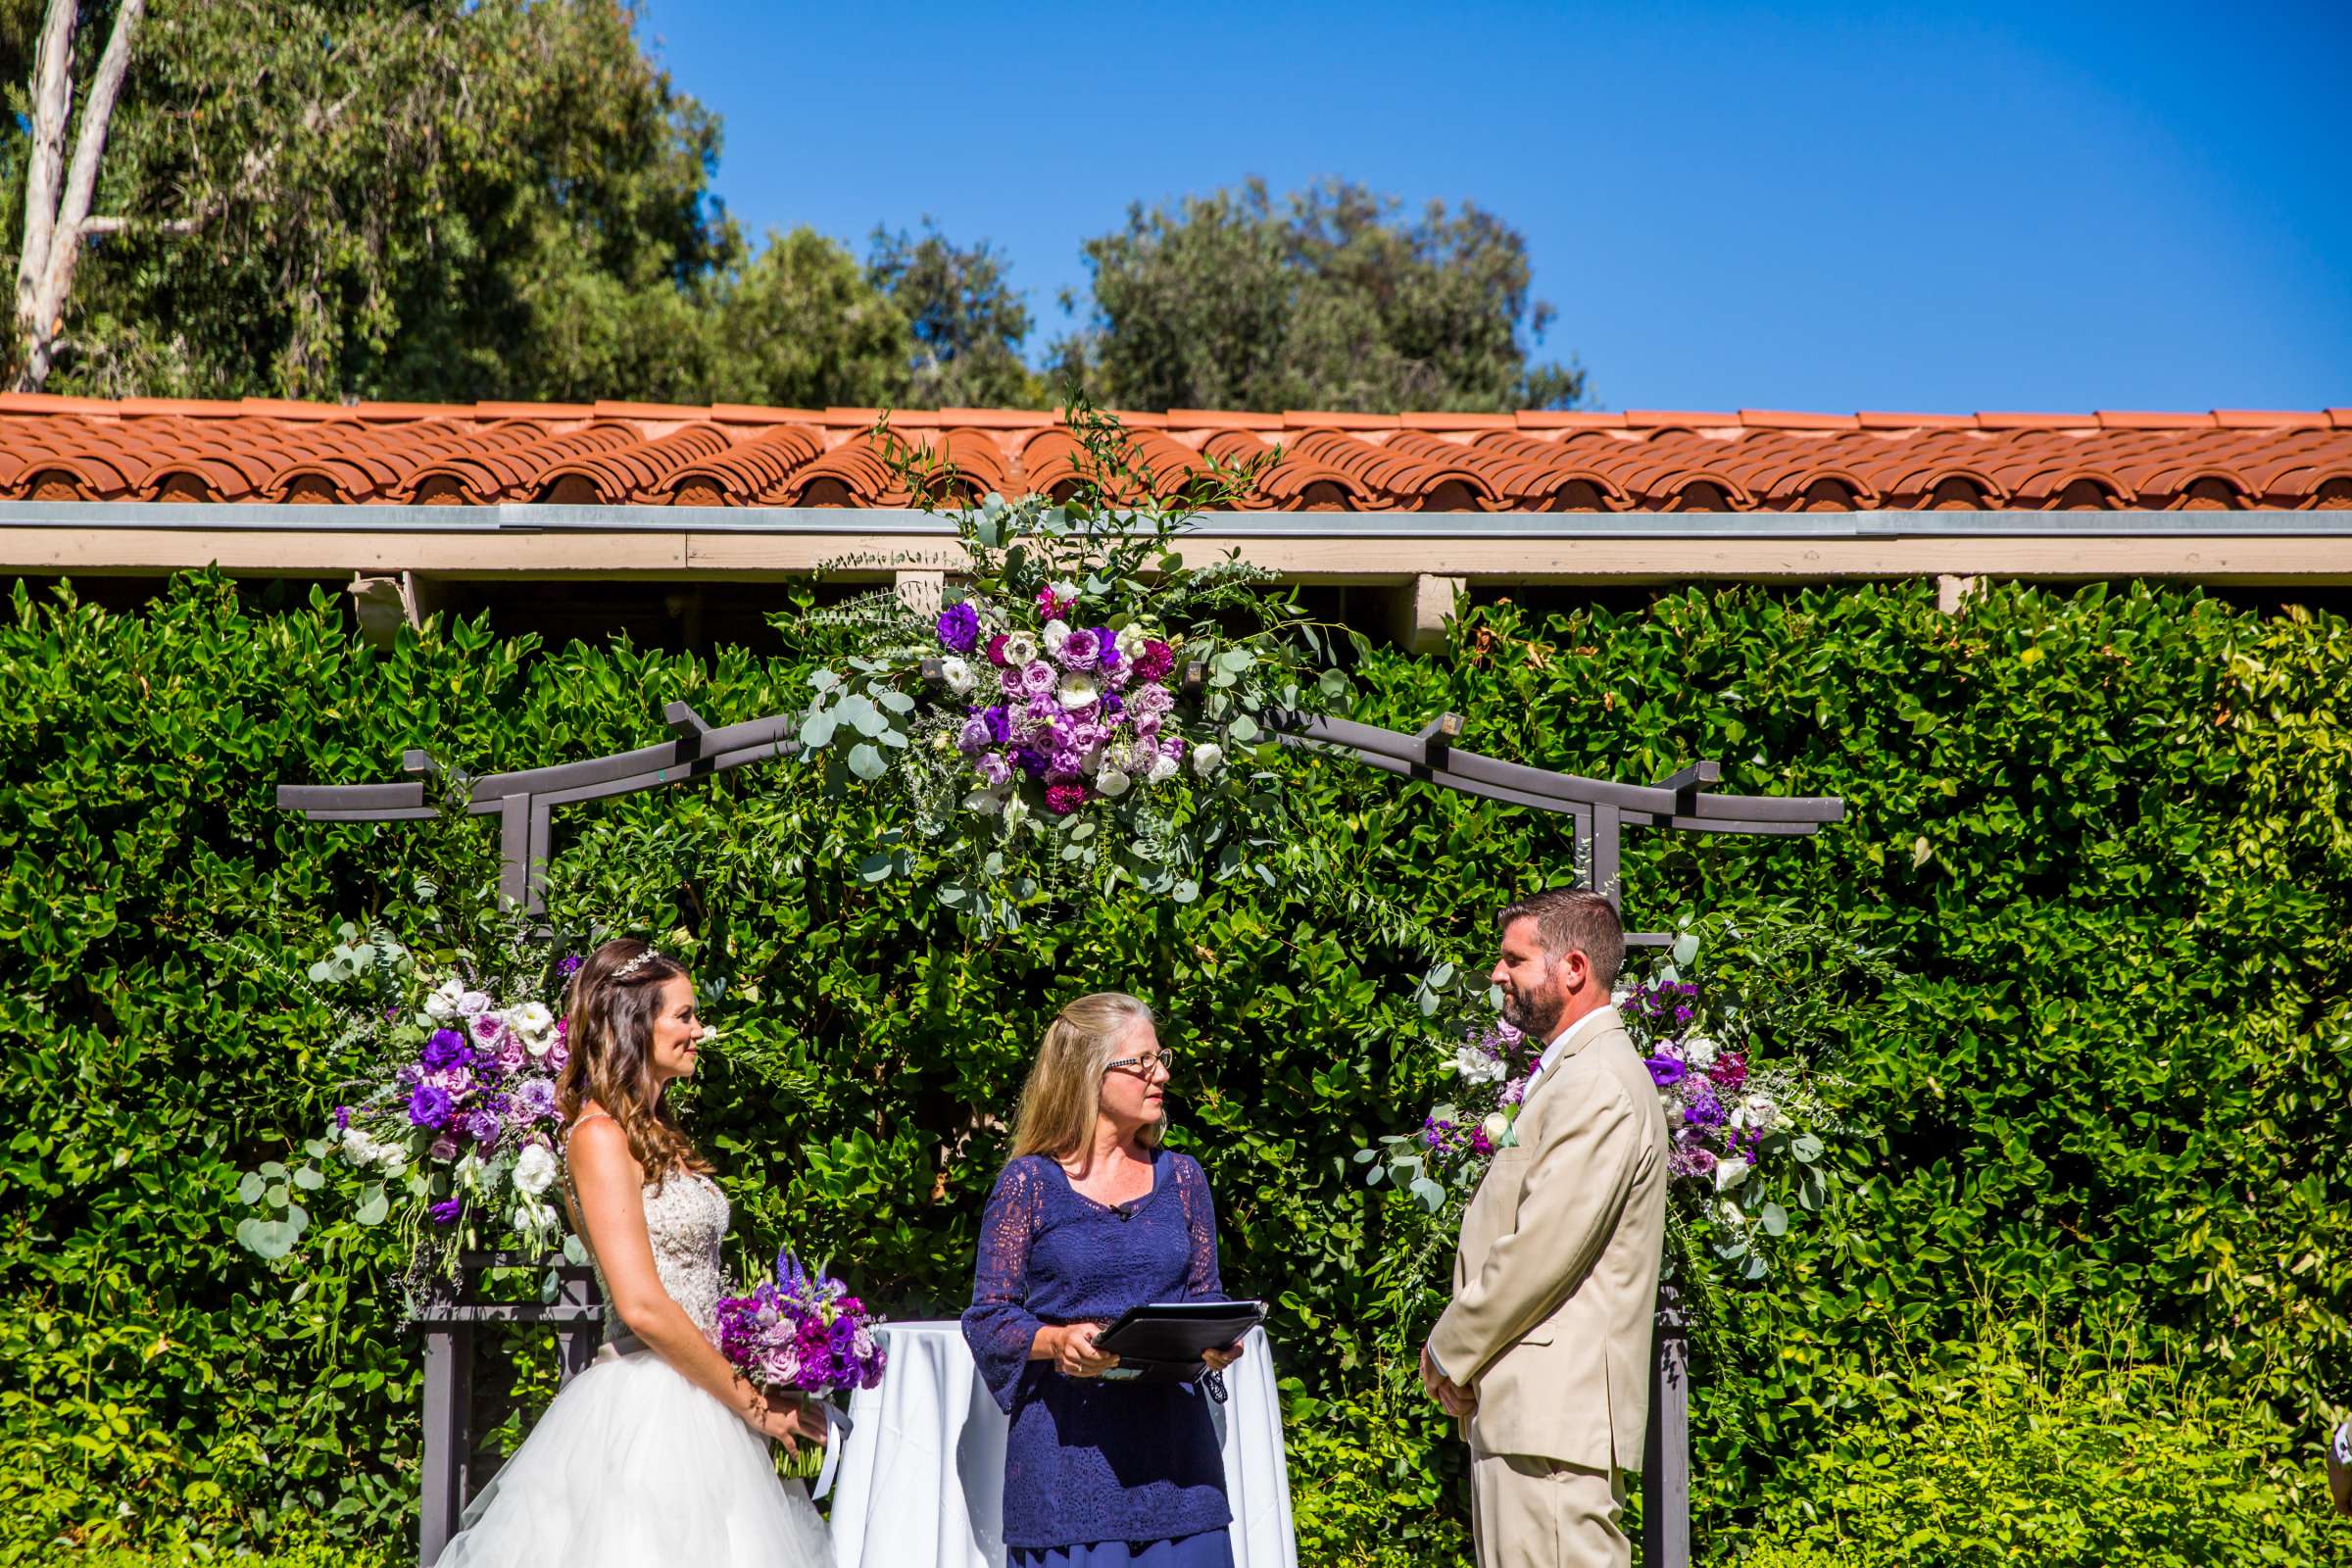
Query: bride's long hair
{"type": "Point", "coordinates": [609, 1017]}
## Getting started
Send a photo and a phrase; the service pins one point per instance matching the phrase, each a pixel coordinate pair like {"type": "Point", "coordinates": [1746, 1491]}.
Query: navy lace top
{"type": "Point", "coordinates": [1087, 1460]}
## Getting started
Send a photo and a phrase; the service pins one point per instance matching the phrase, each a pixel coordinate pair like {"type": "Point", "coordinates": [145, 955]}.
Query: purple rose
{"type": "Point", "coordinates": [443, 1151]}
{"type": "Point", "coordinates": [1038, 679]}
{"type": "Point", "coordinates": [558, 1054]}
{"type": "Point", "coordinates": [1081, 650]}
{"type": "Point", "coordinates": [959, 628]}
{"type": "Point", "coordinates": [428, 1106]}
{"type": "Point", "coordinates": [447, 1211]}
{"type": "Point", "coordinates": [973, 737]}
{"type": "Point", "coordinates": [513, 1054]}
{"type": "Point", "coordinates": [483, 1128]}
{"type": "Point", "coordinates": [1665, 1071]}
{"type": "Point", "coordinates": [442, 1051]}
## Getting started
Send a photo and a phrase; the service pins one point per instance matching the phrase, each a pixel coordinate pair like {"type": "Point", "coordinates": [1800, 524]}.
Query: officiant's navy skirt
{"type": "Point", "coordinates": [1210, 1548]}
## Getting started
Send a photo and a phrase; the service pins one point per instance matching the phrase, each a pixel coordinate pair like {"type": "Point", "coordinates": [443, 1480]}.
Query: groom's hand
{"type": "Point", "coordinates": [1459, 1402]}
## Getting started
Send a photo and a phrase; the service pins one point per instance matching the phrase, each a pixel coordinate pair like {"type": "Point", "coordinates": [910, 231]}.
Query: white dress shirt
{"type": "Point", "coordinates": [1601, 1018]}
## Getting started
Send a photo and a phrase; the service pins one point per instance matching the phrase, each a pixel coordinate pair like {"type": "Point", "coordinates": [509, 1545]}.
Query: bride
{"type": "Point", "coordinates": [658, 1453]}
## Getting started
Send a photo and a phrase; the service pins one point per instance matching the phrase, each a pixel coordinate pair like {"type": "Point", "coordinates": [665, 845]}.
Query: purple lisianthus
{"type": "Point", "coordinates": [558, 1054]}
{"type": "Point", "coordinates": [998, 722]}
{"type": "Point", "coordinates": [443, 1049]}
{"type": "Point", "coordinates": [993, 768]}
{"type": "Point", "coordinates": [442, 1150]}
{"type": "Point", "coordinates": [1704, 1109]}
{"type": "Point", "coordinates": [1030, 760]}
{"type": "Point", "coordinates": [1038, 679]}
{"type": "Point", "coordinates": [569, 967]}
{"type": "Point", "coordinates": [483, 1127]}
{"type": "Point", "coordinates": [973, 737]}
{"type": "Point", "coordinates": [488, 1027]}
{"type": "Point", "coordinates": [428, 1106]}
{"type": "Point", "coordinates": [535, 1101]}
{"type": "Point", "coordinates": [1113, 702]}
{"type": "Point", "coordinates": [959, 628]}
{"type": "Point", "coordinates": [1081, 650]}
{"type": "Point", "coordinates": [447, 1211]}
{"type": "Point", "coordinates": [1108, 643]}
{"type": "Point", "coordinates": [1666, 1072]}
{"type": "Point", "coordinates": [513, 1054]}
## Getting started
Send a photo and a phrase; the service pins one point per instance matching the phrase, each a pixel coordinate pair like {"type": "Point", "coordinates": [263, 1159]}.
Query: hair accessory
{"type": "Point", "coordinates": [634, 965]}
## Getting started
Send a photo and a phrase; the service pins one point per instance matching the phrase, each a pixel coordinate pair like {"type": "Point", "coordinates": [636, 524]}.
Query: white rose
{"type": "Point", "coordinates": [1077, 691]}
{"type": "Point", "coordinates": [1111, 782]}
{"type": "Point", "coordinates": [442, 1005]}
{"type": "Point", "coordinates": [1020, 649]}
{"type": "Point", "coordinates": [1163, 769]}
{"type": "Point", "coordinates": [986, 801]}
{"type": "Point", "coordinates": [1476, 1065]}
{"type": "Point", "coordinates": [358, 1146]}
{"type": "Point", "coordinates": [957, 674]}
{"type": "Point", "coordinates": [472, 1004]}
{"type": "Point", "coordinates": [1207, 757]}
{"type": "Point", "coordinates": [1730, 1173]}
{"type": "Point", "coordinates": [1494, 1126]}
{"type": "Point", "coordinates": [1700, 1052]}
{"type": "Point", "coordinates": [1056, 633]}
{"type": "Point", "coordinates": [390, 1158]}
{"type": "Point", "coordinates": [535, 1170]}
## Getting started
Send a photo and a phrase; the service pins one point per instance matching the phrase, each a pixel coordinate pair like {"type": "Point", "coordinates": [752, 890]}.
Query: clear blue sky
{"type": "Point", "coordinates": [1901, 207]}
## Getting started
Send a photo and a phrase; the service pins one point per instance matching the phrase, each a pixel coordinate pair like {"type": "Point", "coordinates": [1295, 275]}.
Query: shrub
{"type": "Point", "coordinates": [2062, 1455]}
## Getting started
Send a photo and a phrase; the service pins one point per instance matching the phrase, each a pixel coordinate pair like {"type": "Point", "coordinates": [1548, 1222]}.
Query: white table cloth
{"type": "Point", "coordinates": [921, 1477]}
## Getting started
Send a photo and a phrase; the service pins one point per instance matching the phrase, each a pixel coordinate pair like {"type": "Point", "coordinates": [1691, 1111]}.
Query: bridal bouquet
{"type": "Point", "coordinates": [800, 1332]}
{"type": "Point", "coordinates": [1084, 704]}
{"type": "Point", "coordinates": [451, 1124]}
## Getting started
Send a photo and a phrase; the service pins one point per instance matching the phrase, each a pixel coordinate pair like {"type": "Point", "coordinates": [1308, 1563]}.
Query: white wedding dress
{"type": "Point", "coordinates": [632, 1466]}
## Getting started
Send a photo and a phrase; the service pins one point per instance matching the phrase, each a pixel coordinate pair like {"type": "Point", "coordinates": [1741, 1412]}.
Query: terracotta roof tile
{"type": "Point", "coordinates": [617, 452]}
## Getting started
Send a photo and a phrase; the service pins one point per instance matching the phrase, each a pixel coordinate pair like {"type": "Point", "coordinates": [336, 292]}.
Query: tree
{"type": "Point", "coordinates": [57, 194]}
{"type": "Point", "coordinates": [1332, 303]}
{"type": "Point", "coordinates": [966, 321]}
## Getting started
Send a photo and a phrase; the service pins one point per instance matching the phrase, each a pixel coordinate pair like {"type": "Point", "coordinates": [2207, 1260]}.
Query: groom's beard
{"type": "Point", "coordinates": [1537, 1016]}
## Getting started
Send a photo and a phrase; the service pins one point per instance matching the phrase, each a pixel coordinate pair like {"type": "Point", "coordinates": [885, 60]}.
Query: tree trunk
{"type": "Point", "coordinates": [57, 210]}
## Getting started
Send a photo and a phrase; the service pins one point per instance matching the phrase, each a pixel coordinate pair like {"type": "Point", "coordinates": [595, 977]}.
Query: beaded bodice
{"type": "Point", "coordinates": [686, 1221]}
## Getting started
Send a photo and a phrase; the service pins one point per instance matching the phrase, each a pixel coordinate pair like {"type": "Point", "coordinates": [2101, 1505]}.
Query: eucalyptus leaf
{"type": "Point", "coordinates": [865, 761]}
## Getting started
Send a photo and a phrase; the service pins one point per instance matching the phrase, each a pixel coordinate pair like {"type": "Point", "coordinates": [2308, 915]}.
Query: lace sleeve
{"type": "Point", "coordinates": [998, 1325]}
{"type": "Point", "coordinates": [1200, 1279]}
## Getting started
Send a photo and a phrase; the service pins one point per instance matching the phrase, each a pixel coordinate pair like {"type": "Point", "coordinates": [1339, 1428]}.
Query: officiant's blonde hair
{"type": "Point", "coordinates": [1064, 1092]}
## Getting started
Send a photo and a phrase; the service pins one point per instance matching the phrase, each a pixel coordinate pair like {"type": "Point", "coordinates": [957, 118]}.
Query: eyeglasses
{"type": "Point", "coordinates": [1145, 1066]}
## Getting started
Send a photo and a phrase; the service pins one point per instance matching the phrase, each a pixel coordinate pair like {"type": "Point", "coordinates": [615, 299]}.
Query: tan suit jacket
{"type": "Point", "coordinates": [1556, 1281]}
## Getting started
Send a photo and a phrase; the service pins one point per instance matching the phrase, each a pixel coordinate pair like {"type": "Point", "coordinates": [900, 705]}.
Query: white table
{"type": "Point", "coordinates": [921, 1475]}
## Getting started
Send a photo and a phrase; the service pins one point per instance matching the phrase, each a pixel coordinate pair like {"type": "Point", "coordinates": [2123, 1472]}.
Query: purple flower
{"type": "Point", "coordinates": [443, 1151]}
{"type": "Point", "coordinates": [1113, 702]}
{"type": "Point", "coordinates": [569, 967]}
{"type": "Point", "coordinates": [973, 737]}
{"type": "Point", "coordinates": [1038, 679]}
{"type": "Point", "coordinates": [995, 650]}
{"type": "Point", "coordinates": [1155, 660]}
{"type": "Point", "coordinates": [447, 1211]}
{"type": "Point", "coordinates": [959, 628]}
{"type": "Point", "coordinates": [1030, 760]}
{"type": "Point", "coordinates": [1730, 1072]}
{"type": "Point", "coordinates": [1064, 799]}
{"type": "Point", "coordinates": [558, 1054]}
{"type": "Point", "coordinates": [1704, 1109]}
{"type": "Point", "coordinates": [535, 1101]}
{"type": "Point", "coordinates": [513, 1054]}
{"type": "Point", "coordinates": [342, 1119]}
{"type": "Point", "coordinates": [442, 1051]}
{"type": "Point", "coordinates": [993, 768]}
{"type": "Point", "coordinates": [1081, 650]}
{"type": "Point", "coordinates": [428, 1106]}
{"type": "Point", "coordinates": [487, 1027]}
{"type": "Point", "coordinates": [998, 722]}
{"type": "Point", "coordinates": [483, 1128]}
{"type": "Point", "coordinates": [1666, 1072]}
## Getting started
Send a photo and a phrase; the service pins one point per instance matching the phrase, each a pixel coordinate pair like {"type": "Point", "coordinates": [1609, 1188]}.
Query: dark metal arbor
{"type": "Point", "coordinates": [524, 803]}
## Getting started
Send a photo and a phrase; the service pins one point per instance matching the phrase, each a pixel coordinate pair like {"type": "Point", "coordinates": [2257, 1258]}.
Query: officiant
{"type": "Point", "coordinates": [1091, 1218]}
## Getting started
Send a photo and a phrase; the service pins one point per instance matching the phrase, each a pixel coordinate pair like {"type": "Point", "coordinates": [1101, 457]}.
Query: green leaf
{"type": "Point", "coordinates": [1775, 1221]}
{"type": "Point", "coordinates": [373, 1205]}
{"type": "Point", "coordinates": [816, 730]}
{"type": "Point", "coordinates": [865, 761]}
{"type": "Point", "coordinates": [308, 1179]}
{"type": "Point", "coordinates": [251, 1186]}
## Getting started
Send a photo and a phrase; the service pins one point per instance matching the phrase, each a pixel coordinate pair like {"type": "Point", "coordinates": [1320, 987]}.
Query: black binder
{"type": "Point", "coordinates": [1163, 1343]}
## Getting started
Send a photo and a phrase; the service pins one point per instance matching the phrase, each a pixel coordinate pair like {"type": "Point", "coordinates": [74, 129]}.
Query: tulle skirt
{"type": "Point", "coordinates": [631, 1466]}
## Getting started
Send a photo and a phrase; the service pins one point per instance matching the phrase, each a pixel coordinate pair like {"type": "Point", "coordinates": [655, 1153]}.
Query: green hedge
{"type": "Point", "coordinates": [2103, 833]}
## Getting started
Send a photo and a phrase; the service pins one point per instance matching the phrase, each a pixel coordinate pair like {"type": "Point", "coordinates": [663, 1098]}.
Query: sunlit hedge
{"type": "Point", "coordinates": [2104, 834]}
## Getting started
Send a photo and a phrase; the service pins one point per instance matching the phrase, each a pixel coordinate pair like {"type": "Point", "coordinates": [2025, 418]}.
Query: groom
{"type": "Point", "coordinates": [1545, 1351]}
